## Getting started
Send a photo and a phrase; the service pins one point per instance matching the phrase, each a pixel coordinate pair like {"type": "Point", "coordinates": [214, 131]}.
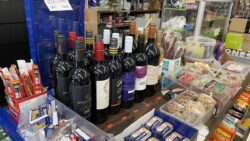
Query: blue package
{"type": "Point", "coordinates": [153, 123]}
{"type": "Point", "coordinates": [164, 130]}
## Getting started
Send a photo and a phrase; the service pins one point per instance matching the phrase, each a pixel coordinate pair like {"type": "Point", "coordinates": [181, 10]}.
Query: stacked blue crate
{"type": "Point", "coordinates": [41, 23]}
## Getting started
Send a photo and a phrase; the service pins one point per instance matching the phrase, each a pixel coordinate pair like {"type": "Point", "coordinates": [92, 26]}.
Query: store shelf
{"type": "Point", "coordinates": [120, 26]}
{"type": "Point", "coordinates": [130, 12]}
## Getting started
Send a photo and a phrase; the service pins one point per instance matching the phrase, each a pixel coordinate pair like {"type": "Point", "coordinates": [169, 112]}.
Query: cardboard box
{"type": "Point", "coordinates": [90, 15]}
{"type": "Point", "coordinates": [247, 37]}
{"type": "Point", "coordinates": [92, 26]}
{"type": "Point", "coordinates": [234, 40]}
{"type": "Point", "coordinates": [238, 25]}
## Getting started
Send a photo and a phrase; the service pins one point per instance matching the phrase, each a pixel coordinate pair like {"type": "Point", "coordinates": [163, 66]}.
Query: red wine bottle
{"type": "Point", "coordinates": [100, 84]}
{"type": "Point", "coordinates": [132, 32]}
{"type": "Point", "coordinates": [89, 53]}
{"type": "Point", "coordinates": [141, 70]}
{"type": "Point", "coordinates": [106, 41]}
{"type": "Point", "coordinates": [70, 54]}
{"type": "Point", "coordinates": [80, 87]}
{"type": "Point", "coordinates": [54, 61]}
{"type": "Point", "coordinates": [128, 76]}
{"type": "Point", "coordinates": [153, 54]}
{"type": "Point", "coordinates": [116, 35]}
{"type": "Point", "coordinates": [115, 69]}
{"type": "Point", "coordinates": [62, 73]}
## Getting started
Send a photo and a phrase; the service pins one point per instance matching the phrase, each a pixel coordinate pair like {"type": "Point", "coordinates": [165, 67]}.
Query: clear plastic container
{"type": "Point", "coordinates": [71, 121]}
{"type": "Point", "coordinates": [237, 68]}
{"type": "Point", "coordinates": [199, 48]}
{"type": "Point", "coordinates": [191, 107]}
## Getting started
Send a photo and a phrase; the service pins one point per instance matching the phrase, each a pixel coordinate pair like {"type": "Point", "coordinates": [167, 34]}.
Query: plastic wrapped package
{"type": "Point", "coordinates": [69, 122]}
{"type": "Point", "coordinates": [191, 107]}
{"type": "Point", "coordinates": [237, 68]}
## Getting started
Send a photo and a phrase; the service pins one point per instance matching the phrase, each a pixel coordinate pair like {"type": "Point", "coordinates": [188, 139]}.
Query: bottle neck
{"type": "Point", "coordinates": [89, 46]}
{"type": "Point", "coordinates": [79, 64]}
{"type": "Point", "coordinates": [133, 35]}
{"type": "Point", "coordinates": [127, 54]}
{"type": "Point", "coordinates": [141, 47]}
{"type": "Point", "coordinates": [151, 39]}
{"type": "Point", "coordinates": [113, 56]}
{"type": "Point", "coordinates": [100, 62]}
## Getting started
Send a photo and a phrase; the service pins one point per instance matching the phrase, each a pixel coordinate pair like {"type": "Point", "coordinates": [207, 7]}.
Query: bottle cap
{"type": "Point", "coordinates": [152, 30]}
{"type": "Point", "coordinates": [89, 34]}
{"type": "Point", "coordinates": [80, 38]}
{"type": "Point", "coordinates": [117, 36]}
{"type": "Point", "coordinates": [113, 42]}
{"type": "Point", "coordinates": [61, 45]}
{"type": "Point", "coordinates": [99, 48]}
{"type": "Point", "coordinates": [141, 38]}
{"type": "Point", "coordinates": [72, 38]}
{"type": "Point", "coordinates": [128, 44]}
{"type": "Point", "coordinates": [132, 27]}
{"type": "Point", "coordinates": [106, 36]}
{"type": "Point", "coordinates": [113, 49]}
{"type": "Point", "coordinates": [115, 30]}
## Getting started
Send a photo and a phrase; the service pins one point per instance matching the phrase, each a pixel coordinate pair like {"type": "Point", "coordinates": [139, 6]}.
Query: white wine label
{"type": "Point", "coordinates": [152, 75]}
{"type": "Point", "coordinates": [102, 94]}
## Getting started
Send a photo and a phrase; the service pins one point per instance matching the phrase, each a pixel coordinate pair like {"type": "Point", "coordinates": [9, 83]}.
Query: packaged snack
{"type": "Point", "coordinates": [231, 118]}
{"type": "Point", "coordinates": [240, 106]}
{"type": "Point", "coordinates": [229, 129]}
{"type": "Point", "coordinates": [236, 114]}
{"type": "Point", "coordinates": [186, 78]}
{"type": "Point", "coordinates": [186, 139]}
{"type": "Point", "coordinates": [247, 89]}
{"type": "Point", "coordinates": [153, 139]}
{"type": "Point", "coordinates": [164, 130]}
{"type": "Point", "coordinates": [245, 97]}
{"type": "Point", "coordinates": [237, 68]}
{"type": "Point", "coordinates": [221, 135]}
{"type": "Point", "coordinates": [141, 134]}
{"type": "Point", "coordinates": [153, 123]}
{"type": "Point", "coordinates": [206, 100]}
{"type": "Point", "coordinates": [174, 137]}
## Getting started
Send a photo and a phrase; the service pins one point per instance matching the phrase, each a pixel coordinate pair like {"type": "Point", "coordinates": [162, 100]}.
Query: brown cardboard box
{"type": "Point", "coordinates": [238, 25]}
{"type": "Point", "coordinates": [91, 26]}
{"type": "Point", "coordinates": [90, 15]}
{"type": "Point", "coordinates": [247, 37]}
{"type": "Point", "coordinates": [245, 46]}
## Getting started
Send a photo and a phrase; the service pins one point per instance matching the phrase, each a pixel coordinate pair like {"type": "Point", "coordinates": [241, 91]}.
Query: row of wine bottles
{"type": "Point", "coordinates": [102, 77]}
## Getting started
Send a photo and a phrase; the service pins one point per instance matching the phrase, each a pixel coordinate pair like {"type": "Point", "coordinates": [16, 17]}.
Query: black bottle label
{"type": "Point", "coordinates": [81, 99]}
{"type": "Point", "coordinates": [116, 90]}
{"type": "Point", "coordinates": [63, 89]}
{"type": "Point", "coordinates": [128, 86]}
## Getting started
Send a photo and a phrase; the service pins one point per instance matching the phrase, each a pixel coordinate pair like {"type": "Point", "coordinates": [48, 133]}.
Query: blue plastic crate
{"type": "Point", "coordinates": [41, 23]}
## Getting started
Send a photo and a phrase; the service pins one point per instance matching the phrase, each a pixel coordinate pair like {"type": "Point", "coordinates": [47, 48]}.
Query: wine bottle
{"type": "Point", "coordinates": [80, 87]}
{"type": "Point", "coordinates": [128, 76]}
{"type": "Point", "coordinates": [125, 33]}
{"type": "Point", "coordinates": [100, 84]}
{"type": "Point", "coordinates": [70, 54]}
{"type": "Point", "coordinates": [115, 69]}
{"type": "Point", "coordinates": [159, 45]}
{"type": "Point", "coordinates": [62, 73]}
{"type": "Point", "coordinates": [106, 41]}
{"type": "Point", "coordinates": [153, 55]}
{"type": "Point", "coordinates": [54, 61]}
{"type": "Point", "coordinates": [141, 70]}
{"type": "Point", "coordinates": [89, 53]}
{"type": "Point", "coordinates": [132, 32]}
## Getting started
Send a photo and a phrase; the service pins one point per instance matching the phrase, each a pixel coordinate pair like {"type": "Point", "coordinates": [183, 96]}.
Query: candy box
{"type": "Point", "coordinates": [179, 127]}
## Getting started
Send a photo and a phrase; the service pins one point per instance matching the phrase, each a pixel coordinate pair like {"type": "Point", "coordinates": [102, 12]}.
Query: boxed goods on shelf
{"type": "Point", "coordinates": [22, 86]}
{"type": "Point", "coordinates": [191, 107]}
{"type": "Point", "coordinates": [54, 121]}
{"type": "Point", "coordinates": [153, 124]}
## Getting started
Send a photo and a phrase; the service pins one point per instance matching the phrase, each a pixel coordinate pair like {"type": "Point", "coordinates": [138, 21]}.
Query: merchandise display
{"type": "Point", "coordinates": [130, 70]}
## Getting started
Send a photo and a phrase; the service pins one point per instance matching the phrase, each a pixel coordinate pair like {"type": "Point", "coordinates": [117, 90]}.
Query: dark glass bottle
{"type": "Point", "coordinates": [132, 32]}
{"type": "Point", "coordinates": [62, 73]}
{"type": "Point", "coordinates": [89, 53]}
{"type": "Point", "coordinates": [128, 75]}
{"type": "Point", "coordinates": [100, 84]}
{"type": "Point", "coordinates": [54, 61]}
{"type": "Point", "coordinates": [116, 35]}
{"type": "Point", "coordinates": [153, 54]}
{"type": "Point", "coordinates": [115, 69]}
{"type": "Point", "coordinates": [106, 41]}
{"type": "Point", "coordinates": [125, 33]}
{"type": "Point", "coordinates": [70, 54]}
{"type": "Point", "coordinates": [80, 87]}
{"type": "Point", "coordinates": [141, 70]}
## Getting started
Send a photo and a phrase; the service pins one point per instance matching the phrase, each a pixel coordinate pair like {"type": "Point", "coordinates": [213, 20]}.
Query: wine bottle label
{"type": "Point", "coordinates": [81, 99]}
{"type": "Point", "coordinates": [152, 75]}
{"type": "Point", "coordinates": [141, 77]}
{"type": "Point", "coordinates": [128, 86]}
{"type": "Point", "coordinates": [102, 94]}
{"type": "Point", "coordinates": [116, 90]}
{"type": "Point", "coordinates": [63, 90]}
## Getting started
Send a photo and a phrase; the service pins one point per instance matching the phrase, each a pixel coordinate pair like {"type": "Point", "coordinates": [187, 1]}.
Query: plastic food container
{"type": "Point", "coordinates": [237, 68]}
{"type": "Point", "coordinates": [72, 121]}
{"type": "Point", "coordinates": [200, 48]}
{"type": "Point", "coordinates": [191, 107]}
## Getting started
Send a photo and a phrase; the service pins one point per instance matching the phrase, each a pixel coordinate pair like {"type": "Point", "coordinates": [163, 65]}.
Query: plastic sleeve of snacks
{"type": "Point", "coordinates": [67, 123]}
{"type": "Point", "coordinates": [190, 107]}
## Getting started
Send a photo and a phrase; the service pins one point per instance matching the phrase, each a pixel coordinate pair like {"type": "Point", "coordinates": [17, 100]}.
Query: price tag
{"type": "Point", "coordinates": [58, 5]}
